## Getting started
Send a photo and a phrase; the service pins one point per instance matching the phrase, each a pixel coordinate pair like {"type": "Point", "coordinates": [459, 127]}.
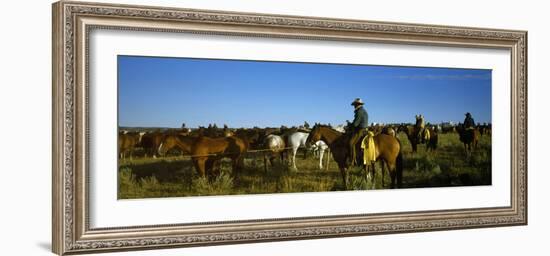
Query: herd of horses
{"type": "Point", "coordinates": [208, 145]}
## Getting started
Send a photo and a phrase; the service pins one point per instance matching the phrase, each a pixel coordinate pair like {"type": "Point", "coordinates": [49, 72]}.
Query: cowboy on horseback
{"type": "Point", "coordinates": [357, 127]}
{"type": "Point", "coordinates": [469, 121]}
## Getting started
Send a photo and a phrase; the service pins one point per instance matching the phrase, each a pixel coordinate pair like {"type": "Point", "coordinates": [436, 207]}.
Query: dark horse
{"type": "Point", "coordinates": [411, 133]}
{"type": "Point", "coordinates": [468, 136]}
{"type": "Point", "coordinates": [388, 149]}
{"type": "Point", "coordinates": [150, 143]}
{"type": "Point", "coordinates": [431, 143]}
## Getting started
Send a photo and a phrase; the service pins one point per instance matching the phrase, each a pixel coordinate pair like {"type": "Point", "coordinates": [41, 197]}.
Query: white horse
{"type": "Point", "coordinates": [298, 140]}
{"type": "Point", "coordinates": [276, 146]}
{"type": "Point", "coordinates": [319, 148]}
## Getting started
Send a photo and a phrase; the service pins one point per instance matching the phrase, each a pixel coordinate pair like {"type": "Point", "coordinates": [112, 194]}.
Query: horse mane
{"type": "Point", "coordinates": [342, 139]}
{"type": "Point", "coordinates": [322, 125]}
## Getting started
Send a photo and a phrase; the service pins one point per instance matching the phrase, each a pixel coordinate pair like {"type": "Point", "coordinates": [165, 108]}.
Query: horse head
{"type": "Point", "coordinates": [419, 120]}
{"type": "Point", "coordinates": [228, 133]}
{"type": "Point", "coordinates": [314, 135]}
{"type": "Point", "coordinates": [166, 144]}
{"type": "Point", "coordinates": [402, 128]}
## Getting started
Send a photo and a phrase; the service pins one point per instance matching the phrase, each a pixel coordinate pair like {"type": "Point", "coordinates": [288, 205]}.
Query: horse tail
{"type": "Point", "coordinates": [399, 166]}
{"type": "Point", "coordinates": [399, 169]}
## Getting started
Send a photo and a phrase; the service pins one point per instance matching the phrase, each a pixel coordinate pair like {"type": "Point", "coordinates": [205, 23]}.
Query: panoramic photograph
{"type": "Point", "coordinates": [204, 127]}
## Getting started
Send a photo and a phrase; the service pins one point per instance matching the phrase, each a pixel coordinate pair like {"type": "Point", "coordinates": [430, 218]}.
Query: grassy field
{"type": "Point", "coordinates": [175, 176]}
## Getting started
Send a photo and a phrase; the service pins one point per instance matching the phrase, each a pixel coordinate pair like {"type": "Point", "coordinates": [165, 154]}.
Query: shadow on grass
{"type": "Point", "coordinates": [163, 170]}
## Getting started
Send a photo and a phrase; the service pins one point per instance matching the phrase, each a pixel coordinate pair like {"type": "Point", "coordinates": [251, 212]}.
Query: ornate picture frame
{"type": "Point", "coordinates": [72, 23]}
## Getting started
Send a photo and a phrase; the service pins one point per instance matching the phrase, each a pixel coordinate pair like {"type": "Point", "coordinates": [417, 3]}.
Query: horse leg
{"type": "Point", "coordinates": [315, 153]}
{"type": "Point", "coordinates": [366, 172]}
{"type": "Point", "coordinates": [382, 167]}
{"type": "Point", "coordinates": [305, 154]}
{"type": "Point", "coordinates": [209, 167]}
{"type": "Point", "coordinates": [321, 153]}
{"type": "Point", "coordinates": [272, 160]}
{"type": "Point", "coordinates": [236, 165]}
{"type": "Point", "coordinates": [392, 169]}
{"type": "Point", "coordinates": [392, 176]}
{"type": "Point", "coordinates": [265, 162]}
{"type": "Point", "coordinates": [254, 156]}
{"type": "Point", "coordinates": [392, 164]}
{"type": "Point", "coordinates": [200, 166]}
{"type": "Point", "coordinates": [241, 162]}
{"type": "Point", "coordinates": [328, 160]}
{"type": "Point", "coordinates": [373, 174]}
{"type": "Point", "coordinates": [344, 176]}
{"type": "Point", "coordinates": [294, 151]}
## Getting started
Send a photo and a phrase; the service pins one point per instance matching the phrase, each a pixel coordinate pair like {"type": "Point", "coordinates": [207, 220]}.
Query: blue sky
{"type": "Point", "coordinates": [165, 92]}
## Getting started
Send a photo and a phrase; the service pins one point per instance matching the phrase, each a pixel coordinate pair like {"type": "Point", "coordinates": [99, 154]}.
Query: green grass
{"type": "Point", "coordinates": [448, 165]}
{"type": "Point", "coordinates": [175, 176]}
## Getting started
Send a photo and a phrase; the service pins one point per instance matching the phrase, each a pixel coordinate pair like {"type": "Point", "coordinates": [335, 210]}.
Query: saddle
{"type": "Point", "coordinates": [369, 149]}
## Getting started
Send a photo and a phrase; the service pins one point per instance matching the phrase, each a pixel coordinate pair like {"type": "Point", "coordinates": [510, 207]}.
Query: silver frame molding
{"type": "Point", "coordinates": [72, 22]}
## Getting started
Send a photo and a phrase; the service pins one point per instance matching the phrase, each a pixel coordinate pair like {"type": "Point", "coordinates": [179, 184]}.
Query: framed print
{"type": "Point", "coordinates": [179, 127]}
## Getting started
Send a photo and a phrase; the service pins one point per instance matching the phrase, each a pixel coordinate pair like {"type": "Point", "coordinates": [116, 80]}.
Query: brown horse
{"type": "Point", "coordinates": [388, 130]}
{"type": "Point", "coordinates": [388, 149]}
{"type": "Point", "coordinates": [468, 136]}
{"type": "Point", "coordinates": [207, 152]}
{"type": "Point", "coordinates": [127, 142]}
{"type": "Point", "coordinates": [183, 143]}
{"type": "Point", "coordinates": [150, 143]}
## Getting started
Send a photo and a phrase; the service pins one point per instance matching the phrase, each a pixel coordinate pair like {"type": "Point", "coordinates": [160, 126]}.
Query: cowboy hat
{"type": "Point", "coordinates": [468, 114]}
{"type": "Point", "coordinates": [357, 101]}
